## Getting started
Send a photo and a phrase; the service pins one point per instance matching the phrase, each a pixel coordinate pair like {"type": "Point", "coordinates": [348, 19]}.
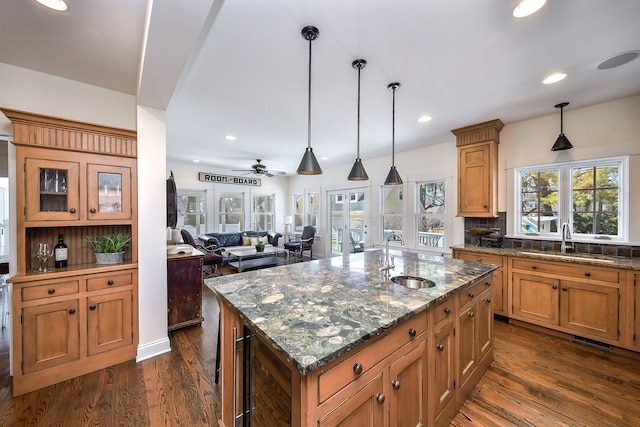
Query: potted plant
{"type": "Point", "coordinates": [260, 246]}
{"type": "Point", "coordinates": [109, 249]}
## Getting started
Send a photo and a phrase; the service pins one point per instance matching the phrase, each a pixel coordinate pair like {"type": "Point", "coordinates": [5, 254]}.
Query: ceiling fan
{"type": "Point", "coordinates": [260, 169]}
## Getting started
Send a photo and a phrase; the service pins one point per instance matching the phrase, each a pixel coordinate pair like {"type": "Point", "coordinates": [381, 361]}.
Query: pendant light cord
{"type": "Point", "coordinates": [309, 106]}
{"type": "Point", "coordinates": [358, 134]}
{"type": "Point", "coordinates": [393, 128]}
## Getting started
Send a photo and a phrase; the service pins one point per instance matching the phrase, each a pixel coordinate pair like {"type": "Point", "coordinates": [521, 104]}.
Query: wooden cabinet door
{"type": "Point", "coordinates": [636, 311]}
{"type": "Point", "coordinates": [536, 299]}
{"type": "Point", "coordinates": [443, 370]}
{"type": "Point", "coordinates": [108, 192]}
{"type": "Point", "coordinates": [109, 321]}
{"type": "Point", "coordinates": [466, 345]}
{"type": "Point", "coordinates": [408, 400]}
{"type": "Point", "coordinates": [499, 278]}
{"type": "Point", "coordinates": [50, 335]}
{"type": "Point", "coordinates": [365, 408]}
{"type": "Point", "coordinates": [590, 310]}
{"type": "Point", "coordinates": [52, 191]}
{"type": "Point", "coordinates": [484, 314]}
{"type": "Point", "coordinates": [184, 290]}
{"type": "Point", "coordinates": [475, 184]}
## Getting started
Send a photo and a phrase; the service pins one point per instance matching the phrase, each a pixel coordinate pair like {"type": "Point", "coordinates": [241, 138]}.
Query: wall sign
{"type": "Point", "coordinates": [228, 179]}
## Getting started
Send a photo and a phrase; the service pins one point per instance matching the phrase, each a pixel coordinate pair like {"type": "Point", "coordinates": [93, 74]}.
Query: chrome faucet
{"type": "Point", "coordinates": [390, 265]}
{"type": "Point", "coordinates": [566, 236]}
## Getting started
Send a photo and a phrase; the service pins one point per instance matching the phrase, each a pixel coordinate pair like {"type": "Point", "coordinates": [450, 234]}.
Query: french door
{"type": "Point", "coordinates": [348, 220]}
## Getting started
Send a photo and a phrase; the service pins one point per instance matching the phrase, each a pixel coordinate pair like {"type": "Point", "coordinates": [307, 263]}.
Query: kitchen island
{"type": "Point", "coordinates": [331, 342]}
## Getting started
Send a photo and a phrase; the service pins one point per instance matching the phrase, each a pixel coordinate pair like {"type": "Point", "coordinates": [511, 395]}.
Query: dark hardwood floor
{"type": "Point", "coordinates": [535, 380]}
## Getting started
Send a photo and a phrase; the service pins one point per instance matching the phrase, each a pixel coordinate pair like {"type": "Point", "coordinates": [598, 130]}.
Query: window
{"type": "Point", "coordinates": [298, 212]}
{"type": "Point", "coordinates": [313, 209]}
{"type": "Point", "coordinates": [231, 211]}
{"type": "Point", "coordinates": [587, 194]}
{"type": "Point", "coordinates": [192, 211]}
{"type": "Point", "coordinates": [392, 210]}
{"type": "Point", "coordinates": [430, 214]}
{"type": "Point", "coordinates": [263, 212]}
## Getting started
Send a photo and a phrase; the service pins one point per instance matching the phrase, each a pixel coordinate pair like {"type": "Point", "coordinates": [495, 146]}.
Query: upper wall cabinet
{"type": "Point", "coordinates": [478, 169]}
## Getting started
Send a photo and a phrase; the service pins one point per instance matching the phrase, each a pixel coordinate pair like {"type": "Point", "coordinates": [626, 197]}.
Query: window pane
{"type": "Point", "coordinates": [263, 215]}
{"type": "Point", "coordinates": [392, 223]}
{"type": "Point", "coordinates": [431, 231]}
{"type": "Point", "coordinates": [431, 197]}
{"type": "Point", "coordinates": [392, 199]}
{"type": "Point", "coordinates": [231, 212]}
{"type": "Point", "coordinates": [539, 201]}
{"type": "Point", "coordinates": [595, 197]}
{"type": "Point", "coordinates": [583, 201]}
{"type": "Point", "coordinates": [606, 224]}
{"type": "Point", "coordinates": [582, 223]}
{"type": "Point", "coordinates": [607, 200]}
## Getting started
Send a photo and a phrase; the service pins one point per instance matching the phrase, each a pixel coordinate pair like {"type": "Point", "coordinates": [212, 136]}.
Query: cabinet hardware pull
{"type": "Point", "coordinates": [92, 307]}
{"type": "Point", "coordinates": [586, 273]}
{"type": "Point", "coordinates": [489, 300]}
{"type": "Point", "coordinates": [440, 347]}
{"type": "Point", "coordinates": [534, 267]}
{"type": "Point", "coordinates": [471, 295]}
{"type": "Point", "coordinates": [554, 287]}
{"type": "Point", "coordinates": [471, 314]}
{"type": "Point", "coordinates": [72, 210]}
{"type": "Point", "coordinates": [72, 311]}
{"type": "Point", "coordinates": [92, 210]}
{"type": "Point", "coordinates": [564, 288]}
{"type": "Point", "coordinates": [487, 283]}
{"type": "Point", "coordinates": [380, 398]}
{"type": "Point", "coordinates": [479, 259]}
{"type": "Point", "coordinates": [51, 291]}
{"type": "Point", "coordinates": [357, 368]}
{"type": "Point", "coordinates": [109, 282]}
{"type": "Point", "coordinates": [447, 310]}
{"type": "Point", "coordinates": [412, 332]}
{"type": "Point", "coordinates": [396, 385]}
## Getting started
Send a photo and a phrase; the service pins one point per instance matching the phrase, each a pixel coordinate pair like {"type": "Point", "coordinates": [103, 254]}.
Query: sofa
{"type": "Point", "coordinates": [230, 241]}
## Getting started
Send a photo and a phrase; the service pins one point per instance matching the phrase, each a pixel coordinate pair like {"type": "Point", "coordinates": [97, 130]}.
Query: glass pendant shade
{"type": "Point", "coordinates": [309, 164]}
{"type": "Point", "coordinates": [562, 143]}
{"type": "Point", "coordinates": [358, 173]}
{"type": "Point", "coordinates": [393, 178]}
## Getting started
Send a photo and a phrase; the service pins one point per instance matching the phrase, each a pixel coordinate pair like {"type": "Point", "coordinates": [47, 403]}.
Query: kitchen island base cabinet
{"type": "Point", "coordinates": [387, 381]}
{"type": "Point", "coordinates": [184, 290]}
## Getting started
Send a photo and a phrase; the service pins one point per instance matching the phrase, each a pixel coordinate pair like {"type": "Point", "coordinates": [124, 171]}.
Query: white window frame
{"type": "Point", "coordinates": [271, 215]}
{"type": "Point", "coordinates": [220, 212]}
{"type": "Point", "coordinates": [565, 199]}
{"type": "Point", "coordinates": [400, 215]}
{"type": "Point", "coordinates": [442, 242]}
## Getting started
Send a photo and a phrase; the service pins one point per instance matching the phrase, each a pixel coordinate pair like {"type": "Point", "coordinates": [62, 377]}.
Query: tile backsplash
{"type": "Point", "coordinates": [500, 222]}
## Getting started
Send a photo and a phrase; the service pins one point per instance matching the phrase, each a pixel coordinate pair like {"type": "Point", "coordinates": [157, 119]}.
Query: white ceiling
{"type": "Point", "coordinates": [244, 72]}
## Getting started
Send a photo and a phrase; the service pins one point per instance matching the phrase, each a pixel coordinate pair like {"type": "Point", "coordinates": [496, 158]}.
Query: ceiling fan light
{"type": "Point", "coordinates": [393, 178]}
{"type": "Point", "coordinates": [309, 164]}
{"type": "Point", "coordinates": [357, 172]}
{"type": "Point", "coordinates": [58, 5]}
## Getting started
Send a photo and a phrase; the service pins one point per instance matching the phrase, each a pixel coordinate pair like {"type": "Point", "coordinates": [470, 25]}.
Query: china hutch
{"type": "Point", "coordinates": [77, 180]}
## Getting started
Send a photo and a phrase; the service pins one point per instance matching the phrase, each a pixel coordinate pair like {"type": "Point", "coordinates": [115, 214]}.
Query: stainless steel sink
{"type": "Point", "coordinates": [590, 258]}
{"type": "Point", "coordinates": [413, 282]}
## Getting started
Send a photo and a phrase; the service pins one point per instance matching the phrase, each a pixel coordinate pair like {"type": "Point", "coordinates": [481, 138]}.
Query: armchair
{"type": "Point", "coordinates": [297, 247]}
{"type": "Point", "coordinates": [212, 257]}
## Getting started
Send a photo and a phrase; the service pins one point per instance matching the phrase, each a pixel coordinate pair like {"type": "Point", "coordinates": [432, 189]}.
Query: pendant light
{"type": "Point", "coordinates": [357, 171]}
{"type": "Point", "coordinates": [394, 177]}
{"type": "Point", "coordinates": [309, 164]}
{"type": "Point", "coordinates": [562, 143]}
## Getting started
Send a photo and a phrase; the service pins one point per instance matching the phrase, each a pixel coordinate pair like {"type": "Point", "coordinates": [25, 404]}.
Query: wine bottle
{"type": "Point", "coordinates": [60, 252]}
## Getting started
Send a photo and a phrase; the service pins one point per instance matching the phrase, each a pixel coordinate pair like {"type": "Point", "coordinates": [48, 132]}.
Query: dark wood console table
{"type": "Point", "coordinates": [184, 289]}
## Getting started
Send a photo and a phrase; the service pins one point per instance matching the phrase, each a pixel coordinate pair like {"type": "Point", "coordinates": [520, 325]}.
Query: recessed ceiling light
{"type": "Point", "coordinates": [424, 119]}
{"type": "Point", "coordinates": [230, 137]}
{"type": "Point", "coordinates": [196, 161]}
{"type": "Point", "coordinates": [324, 158]}
{"type": "Point", "coordinates": [618, 60]}
{"type": "Point", "coordinates": [554, 78]}
{"type": "Point", "coordinates": [59, 5]}
{"type": "Point", "coordinates": [527, 7]}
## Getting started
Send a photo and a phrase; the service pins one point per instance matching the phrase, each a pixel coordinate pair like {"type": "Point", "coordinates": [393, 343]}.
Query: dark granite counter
{"type": "Point", "coordinates": [577, 258]}
{"type": "Point", "coordinates": [312, 312]}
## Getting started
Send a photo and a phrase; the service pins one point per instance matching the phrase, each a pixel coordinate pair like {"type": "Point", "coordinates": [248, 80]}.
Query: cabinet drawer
{"type": "Point", "coordinates": [568, 270]}
{"type": "Point", "coordinates": [443, 310]}
{"type": "Point", "coordinates": [109, 281]}
{"type": "Point", "coordinates": [474, 291]}
{"type": "Point", "coordinates": [483, 258]}
{"type": "Point", "coordinates": [50, 290]}
{"type": "Point", "coordinates": [356, 366]}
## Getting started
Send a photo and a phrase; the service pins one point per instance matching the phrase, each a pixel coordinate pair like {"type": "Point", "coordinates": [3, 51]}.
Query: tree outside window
{"type": "Point", "coordinates": [595, 195]}
{"type": "Point", "coordinates": [263, 212]}
{"type": "Point", "coordinates": [430, 215]}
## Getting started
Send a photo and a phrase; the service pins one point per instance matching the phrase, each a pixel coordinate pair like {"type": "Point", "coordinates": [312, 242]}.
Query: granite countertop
{"type": "Point", "coordinates": [313, 312]}
{"type": "Point", "coordinates": [577, 258]}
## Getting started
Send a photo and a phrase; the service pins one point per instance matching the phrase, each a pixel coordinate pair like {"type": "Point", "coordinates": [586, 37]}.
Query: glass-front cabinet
{"type": "Point", "coordinates": [82, 190]}
{"type": "Point", "coordinates": [52, 190]}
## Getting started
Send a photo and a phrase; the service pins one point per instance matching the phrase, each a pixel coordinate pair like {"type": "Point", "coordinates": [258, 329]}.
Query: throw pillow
{"type": "Point", "coordinates": [254, 241]}
{"type": "Point", "coordinates": [264, 239]}
{"type": "Point", "coordinates": [246, 241]}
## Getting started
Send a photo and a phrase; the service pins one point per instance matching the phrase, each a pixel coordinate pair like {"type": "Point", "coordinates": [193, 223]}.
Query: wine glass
{"type": "Point", "coordinates": [42, 255]}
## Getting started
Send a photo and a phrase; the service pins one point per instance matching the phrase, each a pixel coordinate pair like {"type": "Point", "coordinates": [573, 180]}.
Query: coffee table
{"type": "Point", "coordinates": [250, 259]}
